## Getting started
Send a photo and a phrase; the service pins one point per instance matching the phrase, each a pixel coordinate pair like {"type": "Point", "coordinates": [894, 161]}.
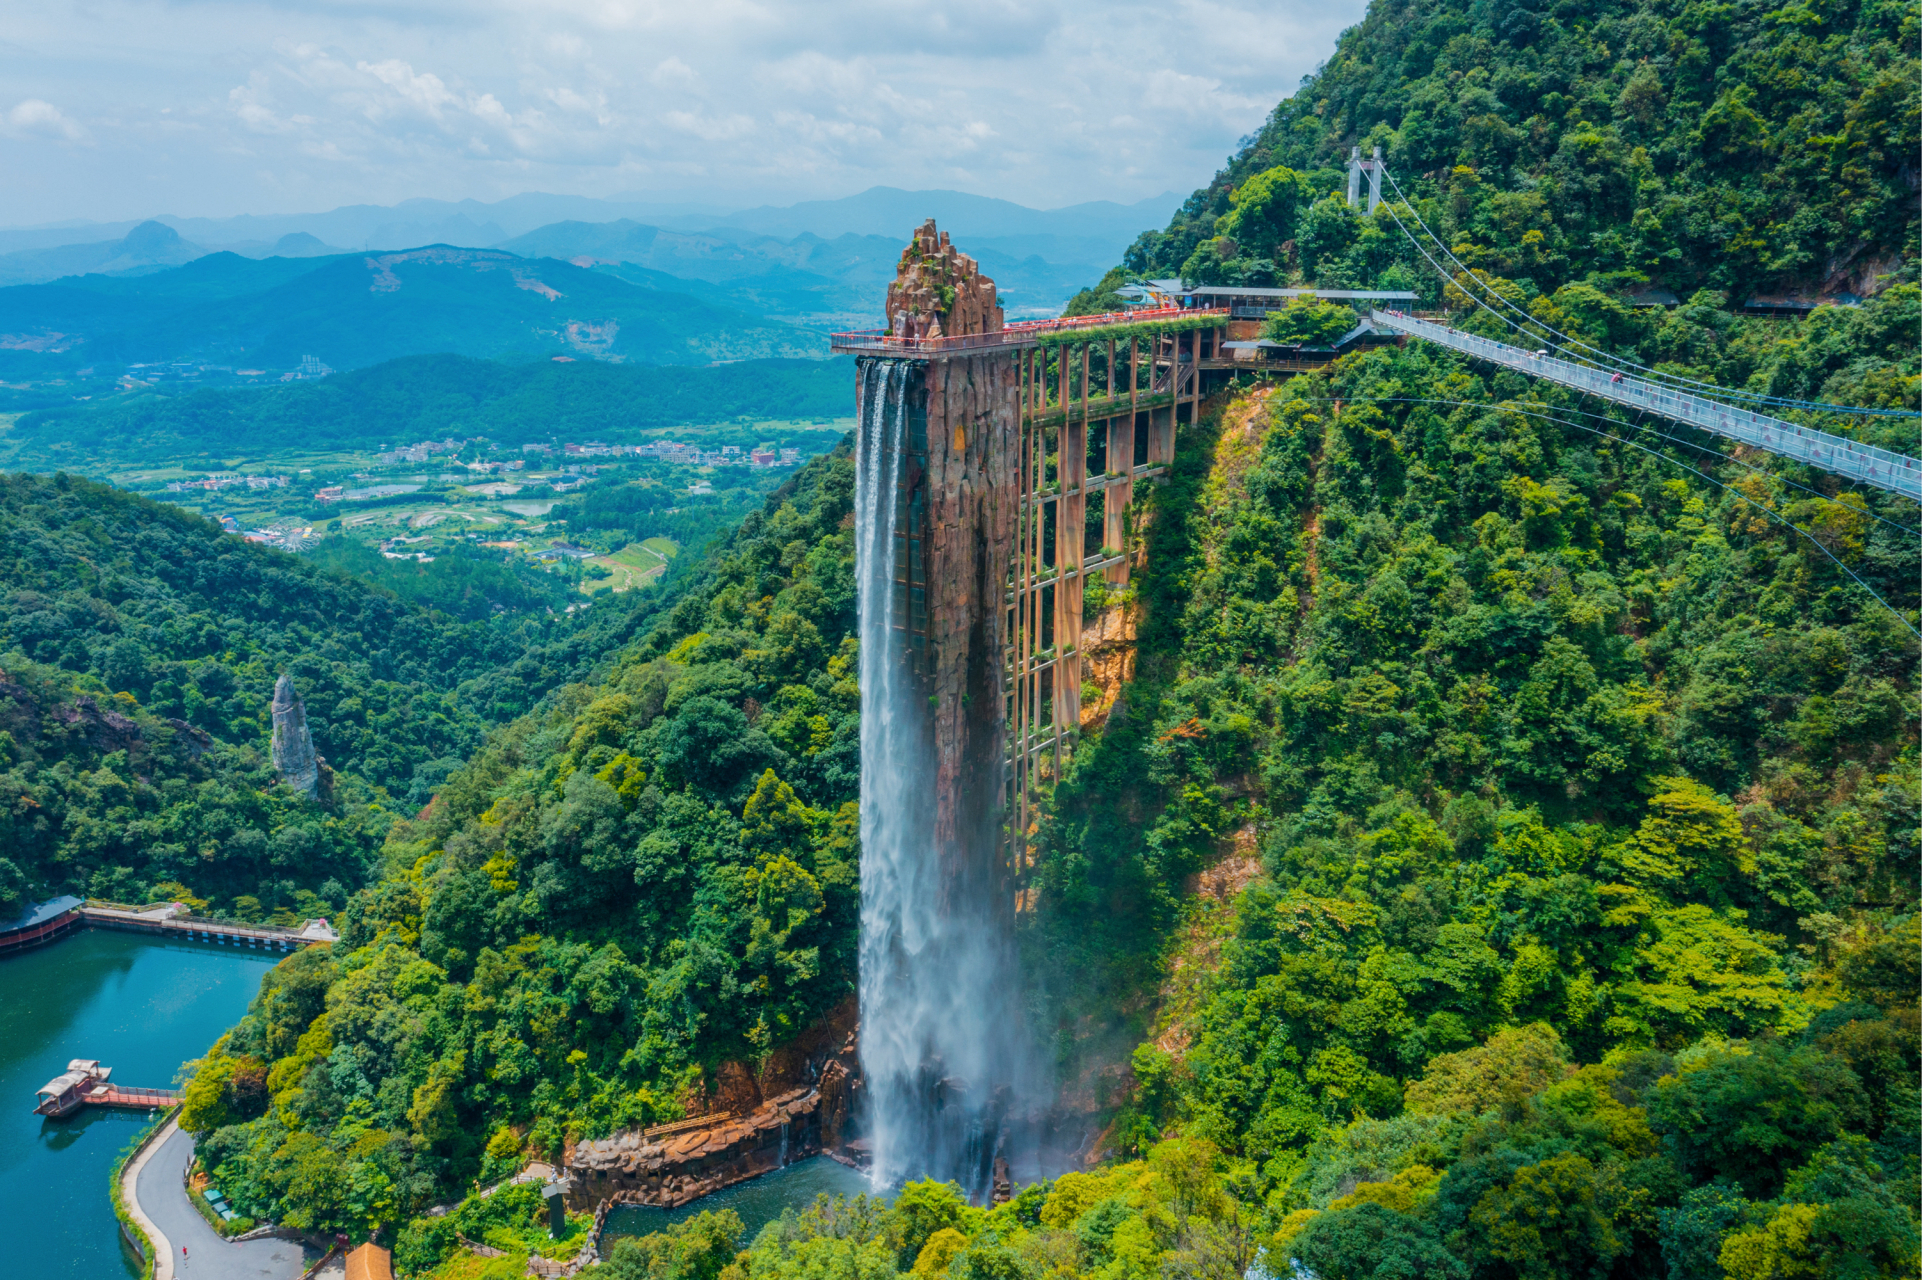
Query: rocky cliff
{"type": "Point", "coordinates": [293, 746]}
{"type": "Point", "coordinates": [939, 292]}
{"type": "Point", "coordinates": [800, 1103]}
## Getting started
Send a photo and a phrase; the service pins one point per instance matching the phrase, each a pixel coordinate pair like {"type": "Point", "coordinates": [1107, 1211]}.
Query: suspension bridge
{"type": "Point", "coordinates": [1864, 464]}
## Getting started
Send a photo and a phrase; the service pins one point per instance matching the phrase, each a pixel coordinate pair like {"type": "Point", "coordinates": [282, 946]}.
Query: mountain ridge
{"type": "Point", "coordinates": [358, 309]}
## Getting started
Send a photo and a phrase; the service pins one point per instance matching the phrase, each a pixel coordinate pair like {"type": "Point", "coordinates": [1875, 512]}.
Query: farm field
{"type": "Point", "coordinates": [634, 565]}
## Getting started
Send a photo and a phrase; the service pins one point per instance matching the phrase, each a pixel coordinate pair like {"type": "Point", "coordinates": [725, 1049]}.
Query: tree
{"type": "Point", "coordinates": [1369, 1242]}
{"type": "Point", "coordinates": [1309, 322]}
{"type": "Point", "coordinates": [1553, 1221]}
{"type": "Point", "coordinates": [1516, 1062]}
{"type": "Point", "coordinates": [920, 1210]}
{"type": "Point", "coordinates": [697, 1249]}
{"type": "Point", "coordinates": [1265, 209]}
{"type": "Point", "coordinates": [1753, 1113]}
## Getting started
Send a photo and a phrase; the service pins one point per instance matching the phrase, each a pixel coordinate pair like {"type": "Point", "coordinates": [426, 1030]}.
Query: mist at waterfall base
{"type": "Point", "coordinates": [948, 1080]}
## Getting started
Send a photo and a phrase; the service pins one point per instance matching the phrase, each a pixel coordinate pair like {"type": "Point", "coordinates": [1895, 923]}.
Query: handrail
{"type": "Point", "coordinates": [1867, 464]}
{"type": "Point", "coordinates": [1020, 333]}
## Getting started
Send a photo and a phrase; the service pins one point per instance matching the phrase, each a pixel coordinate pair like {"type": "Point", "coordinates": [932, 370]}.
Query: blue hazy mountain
{"type": "Point", "coordinates": [806, 276]}
{"type": "Point", "coordinates": [149, 246]}
{"type": "Point", "coordinates": [1039, 257]}
{"type": "Point", "coordinates": [359, 309]}
{"type": "Point", "coordinates": [892, 212]}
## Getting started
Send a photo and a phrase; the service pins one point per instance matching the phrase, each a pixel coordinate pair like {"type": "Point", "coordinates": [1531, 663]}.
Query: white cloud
{"type": "Point", "coordinates": [218, 106]}
{"type": "Point", "coordinates": [35, 118]}
{"type": "Point", "coordinates": [425, 90]}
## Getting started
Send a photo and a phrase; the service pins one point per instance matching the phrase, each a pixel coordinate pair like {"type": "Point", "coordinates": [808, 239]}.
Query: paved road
{"type": "Point", "coordinates": [164, 1199]}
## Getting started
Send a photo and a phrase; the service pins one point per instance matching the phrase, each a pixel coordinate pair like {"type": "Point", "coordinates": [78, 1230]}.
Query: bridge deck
{"type": "Point", "coordinates": [1865, 464]}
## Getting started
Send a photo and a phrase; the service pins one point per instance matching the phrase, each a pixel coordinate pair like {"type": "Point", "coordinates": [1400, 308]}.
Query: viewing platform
{"type": "Point", "coordinates": [85, 1084]}
{"type": "Point", "coordinates": [42, 923]}
{"type": "Point", "coordinates": [1019, 335]}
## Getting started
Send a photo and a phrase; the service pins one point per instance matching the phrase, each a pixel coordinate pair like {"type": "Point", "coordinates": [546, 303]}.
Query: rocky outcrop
{"type": "Point", "coordinates": [1108, 663]}
{"type": "Point", "coordinates": [293, 746]}
{"type": "Point", "coordinates": [102, 728]}
{"type": "Point", "coordinates": [939, 292]}
{"type": "Point", "coordinates": [673, 1164]}
{"type": "Point", "coordinates": [800, 1104]}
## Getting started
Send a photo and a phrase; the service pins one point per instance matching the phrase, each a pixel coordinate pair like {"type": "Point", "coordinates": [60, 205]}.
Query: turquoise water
{"type": "Point", "coordinates": [759, 1200]}
{"type": "Point", "coordinates": [141, 1008]}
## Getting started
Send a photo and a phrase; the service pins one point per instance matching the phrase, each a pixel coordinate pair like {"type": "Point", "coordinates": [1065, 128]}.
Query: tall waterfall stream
{"type": "Point", "coordinates": [942, 1041]}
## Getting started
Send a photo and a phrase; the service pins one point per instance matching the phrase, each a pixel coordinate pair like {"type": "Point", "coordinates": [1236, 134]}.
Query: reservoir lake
{"type": "Point", "coordinates": [140, 1007]}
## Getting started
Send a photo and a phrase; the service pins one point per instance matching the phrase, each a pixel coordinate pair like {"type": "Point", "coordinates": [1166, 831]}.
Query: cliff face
{"type": "Point", "coordinates": [966, 499]}
{"type": "Point", "coordinates": [973, 448]}
{"type": "Point", "coordinates": [293, 746]}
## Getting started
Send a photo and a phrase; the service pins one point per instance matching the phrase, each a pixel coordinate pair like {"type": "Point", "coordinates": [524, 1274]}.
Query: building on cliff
{"type": "Point", "coordinates": [293, 745]}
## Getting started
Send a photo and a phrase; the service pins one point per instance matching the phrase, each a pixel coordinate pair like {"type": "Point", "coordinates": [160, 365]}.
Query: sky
{"type": "Point", "coordinates": [115, 109]}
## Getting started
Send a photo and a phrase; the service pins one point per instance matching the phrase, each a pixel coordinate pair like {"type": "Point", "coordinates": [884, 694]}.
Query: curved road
{"type": "Point", "coordinates": [163, 1199]}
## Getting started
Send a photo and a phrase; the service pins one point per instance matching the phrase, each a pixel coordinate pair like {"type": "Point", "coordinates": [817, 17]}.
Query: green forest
{"type": "Point", "coordinates": [1502, 863]}
{"type": "Point", "coordinates": [427, 397]}
{"type": "Point", "coordinates": [650, 874]}
{"type": "Point", "coordinates": [141, 645]}
{"type": "Point", "coordinates": [1732, 147]}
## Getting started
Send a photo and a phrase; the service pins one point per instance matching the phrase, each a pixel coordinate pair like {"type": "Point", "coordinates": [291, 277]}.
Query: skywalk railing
{"type": "Point", "coordinates": [1019, 334]}
{"type": "Point", "coordinates": [1863, 463]}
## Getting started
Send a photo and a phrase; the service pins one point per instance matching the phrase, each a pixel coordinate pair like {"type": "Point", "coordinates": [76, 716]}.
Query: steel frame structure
{"type": "Point", "coordinates": [1129, 395]}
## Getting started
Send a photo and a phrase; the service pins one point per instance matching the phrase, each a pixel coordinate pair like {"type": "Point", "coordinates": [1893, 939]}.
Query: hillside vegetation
{"type": "Point", "coordinates": [145, 644]}
{"type": "Point", "coordinates": [651, 874]}
{"type": "Point", "coordinates": [1554, 782]}
{"type": "Point", "coordinates": [1734, 147]}
{"type": "Point", "coordinates": [141, 645]}
{"type": "Point", "coordinates": [1571, 767]}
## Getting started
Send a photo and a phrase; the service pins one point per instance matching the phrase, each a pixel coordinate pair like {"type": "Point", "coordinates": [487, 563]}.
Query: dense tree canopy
{"type": "Point", "coordinates": [431, 396]}
{"type": "Point", "coordinates": [1735, 147]}
{"type": "Point", "coordinates": [1553, 776]}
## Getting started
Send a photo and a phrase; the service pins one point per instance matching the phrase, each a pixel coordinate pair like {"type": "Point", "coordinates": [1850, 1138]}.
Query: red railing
{"type": "Point", "coordinates": [1019, 333]}
{"type": "Point", "coordinates": [118, 1095]}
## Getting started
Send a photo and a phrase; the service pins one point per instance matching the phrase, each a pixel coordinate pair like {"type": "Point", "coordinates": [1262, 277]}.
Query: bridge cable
{"type": "Point", "coordinates": [1599, 354]}
{"type": "Point", "coordinates": [1513, 407]}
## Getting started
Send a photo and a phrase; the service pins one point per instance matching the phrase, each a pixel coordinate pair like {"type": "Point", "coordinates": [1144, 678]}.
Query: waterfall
{"type": "Point", "coordinates": [940, 1038]}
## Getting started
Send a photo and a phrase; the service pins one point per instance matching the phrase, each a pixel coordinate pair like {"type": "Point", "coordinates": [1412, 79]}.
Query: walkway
{"type": "Point", "coordinates": [1862, 463]}
{"type": "Point", "coordinates": [161, 1195]}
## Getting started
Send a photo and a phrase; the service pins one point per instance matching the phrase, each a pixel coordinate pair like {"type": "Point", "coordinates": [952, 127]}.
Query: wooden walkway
{"type": "Point", "coordinates": [119, 1095]}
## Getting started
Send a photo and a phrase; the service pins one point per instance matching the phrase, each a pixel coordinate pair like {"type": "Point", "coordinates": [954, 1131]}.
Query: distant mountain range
{"type": "Point", "coordinates": [808, 279]}
{"type": "Point", "coordinates": [1039, 257]}
{"type": "Point", "coordinates": [359, 309]}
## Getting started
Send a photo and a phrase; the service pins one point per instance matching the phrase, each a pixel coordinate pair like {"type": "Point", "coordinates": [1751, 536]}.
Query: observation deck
{"type": "Point", "coordinates": [1021, 334]}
